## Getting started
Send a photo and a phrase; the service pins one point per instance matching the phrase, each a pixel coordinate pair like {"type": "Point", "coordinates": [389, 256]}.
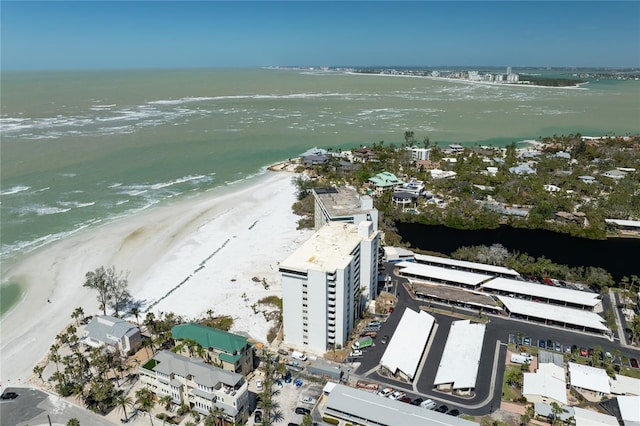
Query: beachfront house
{"type": "Point", "coordinates": [115, 334]}
{"type": "Point", "coordinates": [228, 351]}
{"type": "Point", "coordinates": [384, 181]}
{"type": "Point", "coordinates": [202, 387]}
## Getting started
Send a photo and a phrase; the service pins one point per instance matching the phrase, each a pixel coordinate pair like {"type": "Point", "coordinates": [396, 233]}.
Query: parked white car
{"type": "Point", "coordinates": [429, 404]}
{"type": "Point", "coordinates": [397, 395]}
{"type": "Point", "coordinates": [385, 392]}
{"type": "Point", "coordinates": [307, 400]}
{"type": "Point", "coordinates": [356, 352]}
{"type": "Point", "coordinates": [259, 385]}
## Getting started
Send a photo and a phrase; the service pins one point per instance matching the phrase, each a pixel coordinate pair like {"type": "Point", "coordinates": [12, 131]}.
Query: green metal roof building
{"type": "Point", "coordinates": [226, 350]}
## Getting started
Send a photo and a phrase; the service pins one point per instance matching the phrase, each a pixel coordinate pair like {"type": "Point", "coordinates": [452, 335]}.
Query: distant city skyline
{"type": "Point", "coordinates": [147, 34]}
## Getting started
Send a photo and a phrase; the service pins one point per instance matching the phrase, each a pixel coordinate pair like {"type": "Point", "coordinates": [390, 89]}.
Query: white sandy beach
{"type": "Point", "coordinates": [237, 232]}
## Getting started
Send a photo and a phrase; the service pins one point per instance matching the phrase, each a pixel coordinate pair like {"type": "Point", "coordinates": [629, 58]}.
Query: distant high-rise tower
{"type": "Point", "coordinates": [508, 70]}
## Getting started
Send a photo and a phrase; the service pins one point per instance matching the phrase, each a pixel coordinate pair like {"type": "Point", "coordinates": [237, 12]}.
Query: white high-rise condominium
{"type": "Point", "coordinates": [508, 70]}
{"type": "Point", "coordinates": [325, 284]}
{"type": "Point", "coordinates": [343, 205]}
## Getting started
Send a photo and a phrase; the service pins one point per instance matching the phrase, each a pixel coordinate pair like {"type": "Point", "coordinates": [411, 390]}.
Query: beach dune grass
{"type": "Point", "coordinates": [223, 322]}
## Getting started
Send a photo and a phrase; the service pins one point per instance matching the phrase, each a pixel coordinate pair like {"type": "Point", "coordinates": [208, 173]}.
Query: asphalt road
{"type": "Point", "coordinates": [33, 407]}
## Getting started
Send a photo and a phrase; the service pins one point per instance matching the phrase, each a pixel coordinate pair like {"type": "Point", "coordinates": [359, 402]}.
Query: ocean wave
{"type": "Point", "coordinates": [42, 210]}
{"type": "Point", "coordinates": [15, 190]}
{"type": "Point", "coordinates": [177, 181]}
{"type": "Point", "coordinates": [76, 204]}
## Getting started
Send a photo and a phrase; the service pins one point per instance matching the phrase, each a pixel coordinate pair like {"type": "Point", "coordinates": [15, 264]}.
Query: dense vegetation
{"type": "Point", "coordinates": [471, 194]}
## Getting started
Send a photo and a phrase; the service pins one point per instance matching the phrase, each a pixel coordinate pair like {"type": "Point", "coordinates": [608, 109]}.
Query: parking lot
{"type": "Point", "coordinates": [288, 396]}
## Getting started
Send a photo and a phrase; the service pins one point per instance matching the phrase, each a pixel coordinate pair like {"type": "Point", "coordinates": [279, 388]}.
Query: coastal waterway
{"type": "Point", "coordinates": [619, 256]}
{"type": "Point", "coordinates": [81, 149]}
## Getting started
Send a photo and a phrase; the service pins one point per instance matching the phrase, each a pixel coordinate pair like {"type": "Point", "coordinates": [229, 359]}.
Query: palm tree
{"type": "Point", "coordinates": [218, 414]}
{"type": "Point", "coordinates": [145, 399]}
{"type": "Point", "coordinates": [165, 401]}
{"type": "Point", "coordinates": [54, 356]}
{"type": "Point", "coordinates": [37, 370]}
{"type": "Point", "coordinates": [556, 409]}
{"type": "Point", "coordinates": [123, 401]}
{"type": "Point", "coordinates": [527, 416]}
{"type": "Point", "coordinates": [77, 314]}
{"type": "Point", "coordinates": [135, 311]}
{"type": "Point", "coordinates": [146, 344]}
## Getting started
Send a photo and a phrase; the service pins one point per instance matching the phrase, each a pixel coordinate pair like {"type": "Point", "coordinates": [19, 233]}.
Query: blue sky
{"type": "Point", "coordinates": [80, 35]}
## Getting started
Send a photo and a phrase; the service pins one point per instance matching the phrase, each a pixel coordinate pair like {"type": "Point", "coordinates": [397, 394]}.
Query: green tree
{"type": "Point", "coordinates": [73, 422]}
{"type": "Point", "coordinates": [307, 420]}
{"type": "Point", "coordinates": [145, 399]}
{"type": "Point", "coordinates": [78, 315]}
{"type": "Point", "coordinates": [165, 401]}
{"type": "Point", "coordinates": [123, 402]}
{"type": "Point", "coordinates": [101, 281]}
{"type": "Point", "coordinates": [557, 410]}
{"type": "Point", "coordinates": [38, 370]}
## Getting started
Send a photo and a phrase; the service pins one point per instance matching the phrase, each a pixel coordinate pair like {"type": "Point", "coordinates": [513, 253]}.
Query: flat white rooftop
{"type": "Point", "coordinates": [629, 409]}
{"type": "Point", "coordinates": [461, 355]}
{"type": "Point", "coordinates": [591, 378]}
{"type": "Point", "coordinates": [625, 385]}
{"type": "Point", "coordinates": [584, 417]}
{"type": "Point", "coordinates": [408, 342]}
{"type": "Point", "coordinates": [342, 201]}
{"type": "Point", "coordinates": [328, 249]}
{"type": "Point", "coordinates": [464, 264]}
{"type": "Point", "coordinates": [583, 298]}
{"type": "Point", "coordinates": [370, 409]}
{"type": "Point", "coordinates": [429, 273]}
{"type": "Point", "coordinates": [622, 222]}
{"type": "Point", "coordinates": [554, 313]}
{"type": "Point", "coordinates": [545, 385]}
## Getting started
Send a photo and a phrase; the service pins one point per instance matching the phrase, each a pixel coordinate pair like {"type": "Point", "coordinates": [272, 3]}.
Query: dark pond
{"type": "Point", "coordinates": [619, 256]}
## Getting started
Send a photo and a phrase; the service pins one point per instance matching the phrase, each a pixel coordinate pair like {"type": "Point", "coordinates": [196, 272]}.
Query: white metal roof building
{"type": "Point", "coordinates": [625, 385]}
{"type": "Point", "coordinates": [407, 344]}
{"type": "Point", "coordinates": [547, 385]}
{"type": "Point", "coordinates": [458, 367]}
{"type": "Point", "coordinates": [584, 417]}
{"type": "Point", "coordinates": [397, 254]}
{"type": "Point", "coordinates": [589, 378]}
{"type": "Point", "coordinates": [577, 319]}
{"type": "Point", "coordinates": [629, 412]}
{"type": "Point", "coordinates": [365, 408]}
{"type": "Point", "coordinates": [463, 265]}
{"type": "Point", "coordinates": [438, 275]}
{"type": "Point", "coordinates": [543, 293]}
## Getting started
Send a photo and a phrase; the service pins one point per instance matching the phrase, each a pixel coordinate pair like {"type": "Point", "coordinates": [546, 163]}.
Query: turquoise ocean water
{"type": "Point", "coordinates": [82, 148]}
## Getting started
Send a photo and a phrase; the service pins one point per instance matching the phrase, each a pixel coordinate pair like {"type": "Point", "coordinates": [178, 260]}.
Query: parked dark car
{"type": "Point", "coordinates": [417, 401]}
{"type": "Point", "coordinates": [405, 399]}
{"type": "Point", "coordinates": [590, 352]}
{"type": "Point", "coordinates": [384, 340]}
{"type": "Point", "coordinates": [302, 410]}
{"type": "Point", "coordinates": [550, 344]}
{"type": "Point", "coordinates": [633, 362]}
{"type": "Point", "coordinates": [442, 409]}
{"type": "Point", "coordinates": [541, 344]}
{"type": "Point", "coordinates": [454, 412]}
{"type": "Point", "coordinates": [526, 340]}
{"type": "Point", "coordinates": [257, 417]}
{"type": "Point", "coordinates": [9, 395]}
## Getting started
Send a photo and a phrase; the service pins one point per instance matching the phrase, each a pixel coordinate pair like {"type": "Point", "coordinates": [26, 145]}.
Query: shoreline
{"type": "Point", "coordinates": [482, 83]}
{"type": "Point", "coordinates": [175, 255]}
